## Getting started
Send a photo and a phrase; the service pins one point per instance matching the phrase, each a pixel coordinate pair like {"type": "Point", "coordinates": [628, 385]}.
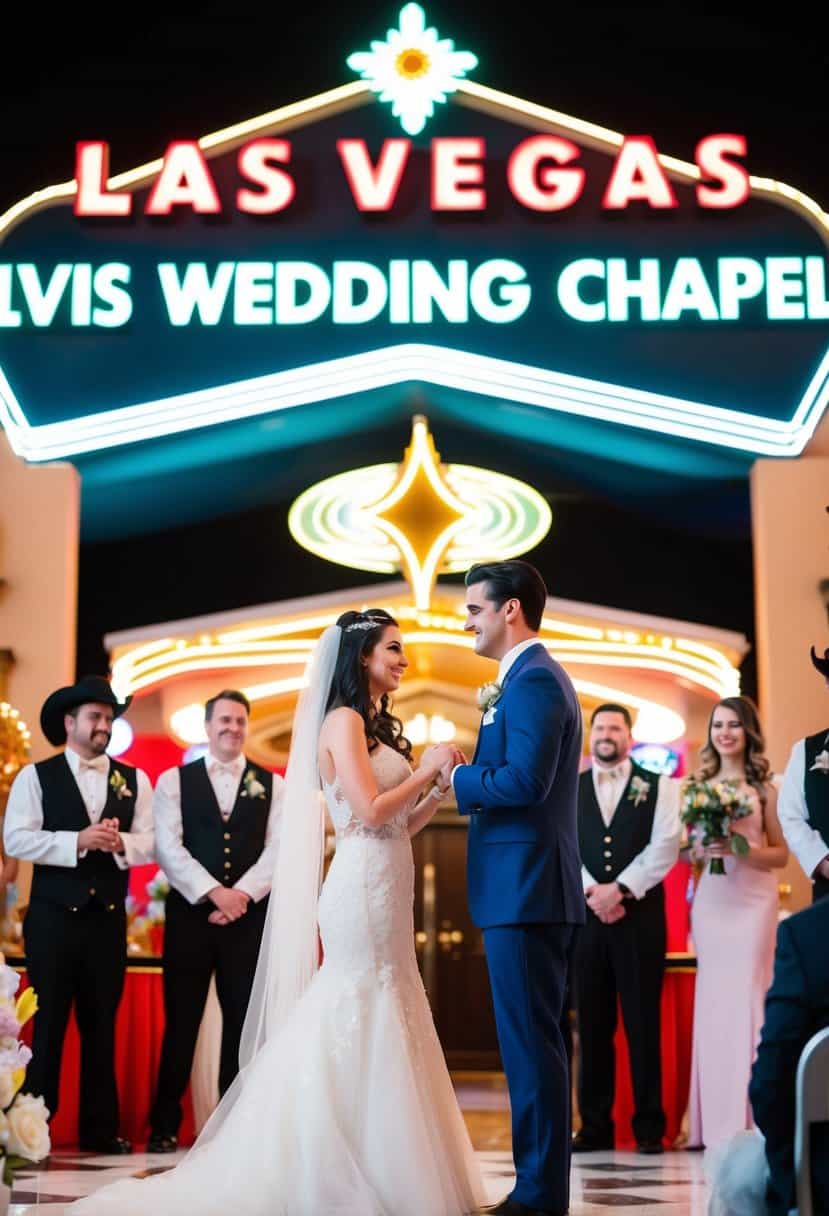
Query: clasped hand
{"type": "Point", "coordinates": [230, 903]}
{"type": "Point", "coordinates": [605, 899]}
{"type": "Point", "coordinates": [439, 760]}
{"type": "Point", "coordinates": [104, 836]}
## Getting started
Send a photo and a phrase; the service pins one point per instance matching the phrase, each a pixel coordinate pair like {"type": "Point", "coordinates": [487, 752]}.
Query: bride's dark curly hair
{"type": "Point", "coordinates": [758, 769]}
{"type": "Point", "coordinates": [349, 685]}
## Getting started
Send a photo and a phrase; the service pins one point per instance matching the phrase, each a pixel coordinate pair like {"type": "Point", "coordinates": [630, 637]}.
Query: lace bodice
{"type": "Point", "coordinates": [390, 768]}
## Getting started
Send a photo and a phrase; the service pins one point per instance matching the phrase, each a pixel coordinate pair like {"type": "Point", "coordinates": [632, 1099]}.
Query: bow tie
{"type": "Point", "coordinates": [226, 770]}
{"type": "Point", "coordinates": [611, 774]}
{"type": "Point", "coordinates": [99, 765]}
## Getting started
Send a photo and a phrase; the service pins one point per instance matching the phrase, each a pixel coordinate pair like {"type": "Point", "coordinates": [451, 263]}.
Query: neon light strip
{"type": "Point", "coordinates": [132, 676]}
{"type": "Point", "coordinates": [479, 97]}
{"type": "Point", "coordinates": [488, 377]}
{"type": "Point", "coordinates": [297, 114]}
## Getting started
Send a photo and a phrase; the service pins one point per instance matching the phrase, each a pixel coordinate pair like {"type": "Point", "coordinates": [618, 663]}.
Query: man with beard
{"type": "Point", "coordinates": [83, 819]}
{"type": "Point", "coordinates": [629, 834]}
{"type": "Point", "coordinates": [215, 822]}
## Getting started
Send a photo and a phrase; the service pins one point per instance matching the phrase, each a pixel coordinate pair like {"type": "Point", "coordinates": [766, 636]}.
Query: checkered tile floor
{"type": "Point", "coordinates": [671, 1185]}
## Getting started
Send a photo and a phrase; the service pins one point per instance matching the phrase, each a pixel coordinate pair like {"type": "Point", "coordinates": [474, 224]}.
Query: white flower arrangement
{"type": "Point", "coordinates": [24, 1119]}
{"type": "Point", "coordinates": [118, 785]}
{"type": "Point", "coordinates": [253, 787]}
{"type": "Point", "coordinates": [821, 764]}
{"type": "Point", "coordinates": [639, 790]}
{"type": "Point", "coordinates": [488, 694]}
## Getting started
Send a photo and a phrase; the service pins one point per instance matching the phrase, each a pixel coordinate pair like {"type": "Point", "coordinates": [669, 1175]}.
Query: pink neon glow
{"type": "Point", "coordinates": [184, 180]}
{"type": "Point", "coordinates": [710, 156]}
{"type": "Point", "coordinates": [277, 187]}
{"type": "Point", "coordinates": [91, 173]}
{"type": "Point", "coordinates": [538, 186]}
{"type": "Point", "coordinates": [638, 175]}
{"type": "Point", "coordinates": [457, 172]}
{"type": "Point", "coordinates": [374, 187]}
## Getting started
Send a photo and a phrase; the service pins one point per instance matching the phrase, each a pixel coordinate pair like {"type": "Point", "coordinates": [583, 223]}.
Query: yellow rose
{"type": "Point", "coordinates": [7, 1087]}
{"type": "Point", "coordinates": [28, 1123]}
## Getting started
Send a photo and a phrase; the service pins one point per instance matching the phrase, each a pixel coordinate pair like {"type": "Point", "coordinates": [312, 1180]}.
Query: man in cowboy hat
{"type": "Point", "coordinates": [803, 806]}
{"type": "Point", "coordinates": [83, 819]}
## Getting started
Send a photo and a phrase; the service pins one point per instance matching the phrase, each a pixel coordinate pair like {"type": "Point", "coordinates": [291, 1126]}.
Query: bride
{"type": "Point", "coordinates": [343, 1105]}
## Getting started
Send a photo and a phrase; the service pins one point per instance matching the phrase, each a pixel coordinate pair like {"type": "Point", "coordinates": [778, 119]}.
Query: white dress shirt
{"type": "Point", "coordinates": [185, 873]}
{"type": "Point", "coordinates": [511, 655]}
{"type": "Point", "coordinates": [651, 865]}
{"type": "Point", "coordinates": [808, 845]}
{"type": "Point", "coordinates": [24, 836]}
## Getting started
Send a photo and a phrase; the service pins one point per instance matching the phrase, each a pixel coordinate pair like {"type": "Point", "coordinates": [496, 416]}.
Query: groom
{"type": "Point", "coordinates": [523, 868]}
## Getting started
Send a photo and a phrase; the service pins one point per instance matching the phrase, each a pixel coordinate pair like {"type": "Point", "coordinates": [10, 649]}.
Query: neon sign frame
{"type": "Point", "coordinates": [442, 366]}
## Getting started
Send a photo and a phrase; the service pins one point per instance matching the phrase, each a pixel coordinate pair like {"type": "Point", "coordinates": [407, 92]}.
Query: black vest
{"type": "Point", "coordinates": [606, 851]}
{"type": "Point", "coordinates": [96, 876]}
{"type": "Point", "coordinates": [816, 793]}
{"type": "Point", "coordinates": [226, 849]}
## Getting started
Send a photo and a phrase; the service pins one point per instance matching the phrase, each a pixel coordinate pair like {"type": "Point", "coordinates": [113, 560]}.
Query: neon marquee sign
{"type": "Point", "coordinates": [542, 175]}
{"type": "Point", "coordinates": [511, 253]}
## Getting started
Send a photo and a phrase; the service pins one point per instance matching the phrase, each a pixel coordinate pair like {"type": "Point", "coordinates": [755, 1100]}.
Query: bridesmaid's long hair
{"type": "Point", "coordinates": [349, 685]}
{"type": "Point", "coordinates": [758, 769]}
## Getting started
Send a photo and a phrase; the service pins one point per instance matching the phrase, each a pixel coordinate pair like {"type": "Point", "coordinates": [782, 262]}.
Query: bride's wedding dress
{"type": "Point", "coordinates": [348, 1110]}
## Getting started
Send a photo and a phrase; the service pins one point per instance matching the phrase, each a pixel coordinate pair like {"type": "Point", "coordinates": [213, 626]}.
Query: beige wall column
{"type": "Point", "coordinates": [39, 539]}
{"type": "Point", "coordinates": [790, 529]}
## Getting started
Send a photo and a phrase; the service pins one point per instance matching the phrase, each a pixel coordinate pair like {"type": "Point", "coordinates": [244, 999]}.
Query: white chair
{"type": "Point", "coordinates": [812, 1106]}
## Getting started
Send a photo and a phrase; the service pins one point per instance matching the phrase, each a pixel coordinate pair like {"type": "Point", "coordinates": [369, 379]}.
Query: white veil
{"type": "Point", "coordinates": [289, 953]}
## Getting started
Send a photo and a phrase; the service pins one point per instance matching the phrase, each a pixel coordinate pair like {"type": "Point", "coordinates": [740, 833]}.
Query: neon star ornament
{"type": "Point", "coordinates": [413, 68]}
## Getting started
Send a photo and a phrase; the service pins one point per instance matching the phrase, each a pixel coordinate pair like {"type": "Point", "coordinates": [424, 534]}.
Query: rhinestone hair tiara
{"type": "Point", "coordinates": [368, 624]}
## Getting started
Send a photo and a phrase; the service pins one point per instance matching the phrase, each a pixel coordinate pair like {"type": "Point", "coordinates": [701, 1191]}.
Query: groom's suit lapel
{"type": "Point", "coordinates": [513, 671]}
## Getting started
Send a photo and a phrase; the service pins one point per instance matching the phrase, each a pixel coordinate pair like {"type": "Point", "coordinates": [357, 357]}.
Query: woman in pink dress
{"type": "Point", "coordinates": [734, 926]}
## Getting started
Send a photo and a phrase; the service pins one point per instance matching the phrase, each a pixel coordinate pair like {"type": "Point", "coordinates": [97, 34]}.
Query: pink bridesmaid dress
{"type": "Point", "coordinates": [734, 926]}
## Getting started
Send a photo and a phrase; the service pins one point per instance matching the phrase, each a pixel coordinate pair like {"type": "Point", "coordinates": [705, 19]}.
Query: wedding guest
{"type": "Point", "coordinates": [804, 800]}
{"type": "Point", "coordinates": [755, 1173]}
{"type": "Point", "coordinates": [629, 839]}
{"type": "Point", "coordinates": [215, 823]}
{"type": "Point", "coordinates": [83, 819]}
{"type": "Point", "coordinates": [733, 921]}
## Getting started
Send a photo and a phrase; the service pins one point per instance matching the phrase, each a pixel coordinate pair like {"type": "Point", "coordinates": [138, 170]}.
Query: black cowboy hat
{"type": "Point", "coordinates": [90, 690]}
{"type": "Point", "coordinates": [822, 665]}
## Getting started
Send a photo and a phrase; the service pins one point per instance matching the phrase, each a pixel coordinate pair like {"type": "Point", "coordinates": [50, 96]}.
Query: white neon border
{"type": "Point", "coordinates": [437, 365]}
{"type": "Point", "coordinates": [752, 434]}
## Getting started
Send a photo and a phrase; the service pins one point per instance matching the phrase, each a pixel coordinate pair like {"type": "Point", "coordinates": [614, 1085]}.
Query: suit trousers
{"type": "Point", "coordinates": [195, 950]}
{"type": "Point", "coordinates": [528, 967]}
{"type": "Point", "coordinates": [77, 957]}
{"type": "Point", "coordinates": [625, 960]}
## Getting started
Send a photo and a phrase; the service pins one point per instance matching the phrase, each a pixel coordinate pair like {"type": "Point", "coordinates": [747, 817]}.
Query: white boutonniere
{"type": "Point", "coordinates": [253, 787]}
{"type": "Point", "coordinates": [488, 694]}
{"type": "Point", "coordinates": [639, 790]}
{"type": "Point", "coordinates": [118, 785]}
{"type": "Point", "coordinates": [821, 764]}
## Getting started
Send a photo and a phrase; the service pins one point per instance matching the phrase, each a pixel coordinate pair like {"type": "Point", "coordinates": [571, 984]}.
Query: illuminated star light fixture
{"type": "Point", "coordinates": [421, 517]}
{"type": "Point", "coordinates": [413, 68]}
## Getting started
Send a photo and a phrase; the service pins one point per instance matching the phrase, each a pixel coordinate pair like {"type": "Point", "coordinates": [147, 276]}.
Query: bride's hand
{"type": "Point", "coordinates": [435, 758]}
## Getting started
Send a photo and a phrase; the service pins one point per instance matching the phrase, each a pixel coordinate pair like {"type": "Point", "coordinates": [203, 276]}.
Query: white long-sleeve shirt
{"type": "Point", "coordinates": [651, 865]}
{"type": "Point", "coordinates": [25, 837]}
{"type": "Point", "coordinates": [189, 877]}
{"type": "Point", "coordinates": [805, 842]}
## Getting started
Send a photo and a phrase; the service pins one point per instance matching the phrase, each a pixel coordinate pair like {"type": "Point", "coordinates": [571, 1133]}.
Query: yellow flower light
{"type": "Point", "coordinates": [421, 516]}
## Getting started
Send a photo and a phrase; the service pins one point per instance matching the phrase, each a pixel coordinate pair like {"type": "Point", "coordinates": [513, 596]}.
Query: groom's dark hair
{"type": "Point", "coordinates": [512, 581]}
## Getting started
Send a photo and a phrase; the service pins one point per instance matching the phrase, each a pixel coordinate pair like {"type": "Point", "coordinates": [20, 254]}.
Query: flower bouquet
{"type": "Point", "coordinates": [24, 1120]}
{"type": "Point", "coordinates": [708, 810]}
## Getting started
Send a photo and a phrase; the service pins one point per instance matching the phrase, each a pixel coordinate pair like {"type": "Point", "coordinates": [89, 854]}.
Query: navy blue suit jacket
{"type": "Point", "coordinates": [523, 864]}
{"type": "Point", "coordinates": [797, 1006]}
